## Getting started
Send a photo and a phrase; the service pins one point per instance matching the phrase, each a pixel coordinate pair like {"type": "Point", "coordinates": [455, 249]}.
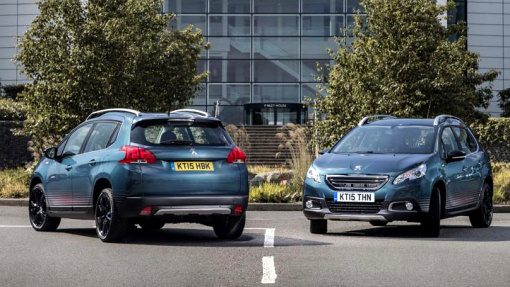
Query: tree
{"type": "Point", "coordinates": [83, 56]}
{"type": "Point", "coordinates": [504, 102]}
{"type": "Point", "coordinates": [401, 62]}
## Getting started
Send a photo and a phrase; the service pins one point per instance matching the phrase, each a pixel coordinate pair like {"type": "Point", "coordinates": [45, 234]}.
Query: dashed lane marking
{"type": "Point", "coordinates": [268, 270]}
{"type": "Point", "coordinates": [14, 226]}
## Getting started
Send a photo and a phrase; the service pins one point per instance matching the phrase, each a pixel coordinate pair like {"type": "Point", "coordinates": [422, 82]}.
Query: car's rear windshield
{"type": "Point", "coordinates": [388, 139]}
{"type": "Point", "coordinates": [180, 133]}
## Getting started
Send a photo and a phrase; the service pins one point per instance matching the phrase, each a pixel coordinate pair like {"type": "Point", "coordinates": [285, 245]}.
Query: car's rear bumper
{"type": "Point", "coordinates": [130, 207]}
{"type": "Point", "coordinates": [386, 213]}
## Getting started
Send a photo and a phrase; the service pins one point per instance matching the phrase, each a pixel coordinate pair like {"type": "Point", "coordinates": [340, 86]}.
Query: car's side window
{"type": "Point", "coordinates": [448, 140]}
{"type": "Point", "coordinates": [465, 140]}
{"type": "Point", "coordinates": [61, 146]}
{"type": "Point", "coordinates": [100, 136]}
{"type": "Point", "coordinates": [76, 140]}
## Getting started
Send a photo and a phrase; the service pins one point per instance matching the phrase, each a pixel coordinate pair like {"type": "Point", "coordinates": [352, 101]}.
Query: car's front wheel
{"type": "Point", "coordinates": [431, 222]}
{"type": "Point", "coordinates": [230, 228]}
{"type": "Point", "coordinates": [110, 227]}
{"type": "Point", "coordinates": [482, 217]}
{"type": "Point", "coordinates": [38, 211]}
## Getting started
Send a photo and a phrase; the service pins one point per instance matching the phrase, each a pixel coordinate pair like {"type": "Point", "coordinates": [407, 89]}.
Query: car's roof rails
{"type": "Point", "coordinates": [365, 120]}
{"type": "Point", "coordinates": [98, 113]}
{"type": "Point", "coordinates": [192, 111]}
{"type": "Point", "coordinates": [443, 118]}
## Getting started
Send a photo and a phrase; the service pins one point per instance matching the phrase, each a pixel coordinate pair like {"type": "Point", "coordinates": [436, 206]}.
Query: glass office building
{"type": "Point", "coordinates": [264, 53]}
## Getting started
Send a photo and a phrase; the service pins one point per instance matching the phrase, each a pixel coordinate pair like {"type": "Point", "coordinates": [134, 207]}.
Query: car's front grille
{"type": "Point", "coordinates": [356, 182]}
{"type": "Point", "coordinates": [351, 207]}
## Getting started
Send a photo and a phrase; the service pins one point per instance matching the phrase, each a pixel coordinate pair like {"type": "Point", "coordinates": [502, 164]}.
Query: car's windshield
{"type": "Point", "coordinates": [176, 133]}
{"type": "Point", "coordinates": [388, 139]}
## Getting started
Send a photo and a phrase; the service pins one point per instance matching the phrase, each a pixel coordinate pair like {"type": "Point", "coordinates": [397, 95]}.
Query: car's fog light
{"type": "Point", "coordinates": [409, 206]}
{"type": "Point", "coordinates": [309, 204]}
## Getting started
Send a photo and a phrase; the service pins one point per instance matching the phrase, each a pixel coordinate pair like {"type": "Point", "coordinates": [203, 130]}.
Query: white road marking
{"type": "Point", "coordinates": [14, 226]}
{"type": "Point", "coordinates": [269, 238]}
{"type": "Point", "coordinates": [268, 270]}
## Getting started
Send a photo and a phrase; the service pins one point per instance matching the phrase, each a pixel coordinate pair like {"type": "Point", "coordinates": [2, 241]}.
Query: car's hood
{"type": "Point", "coordinates": [389, 164]}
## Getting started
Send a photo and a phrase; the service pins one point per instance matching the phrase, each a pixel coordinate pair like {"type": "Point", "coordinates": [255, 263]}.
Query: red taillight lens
{"type": "Point", "coordinates": [136, 154]}
{"type": "Point", "coordinates": [236, 155]}
{"type": "Point", "coordinates": [238, 210]}
{"type": "Point", "coordinates": [146, 211]}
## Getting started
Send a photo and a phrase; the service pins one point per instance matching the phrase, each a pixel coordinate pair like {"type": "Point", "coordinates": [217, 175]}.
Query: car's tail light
{"type": "Point", "coordinates": [136, 154]}
{"type": "Point", "coordinates": [146, 211]}
{"type": "Point", "coordinates": [238, 209]}
{"type": "Point", "coordinates": [236, 155]}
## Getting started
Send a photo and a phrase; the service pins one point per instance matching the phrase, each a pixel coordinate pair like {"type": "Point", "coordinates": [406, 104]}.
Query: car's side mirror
{"type": "Point", "coordinates": [455, 155]}
{"type": "Point", "coordinates": [324, 151]}
{"type": "Point", "coordinates": [51, 152]}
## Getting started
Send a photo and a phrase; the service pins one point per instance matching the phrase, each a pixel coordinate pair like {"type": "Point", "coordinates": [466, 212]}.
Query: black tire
{"type": "Point", "coordinates": [110, 227]}
{"type": "Point", "coordinates": [151, 225]}
{"type": "Point", "coordinates": [230, 228]}
{"type": "Point", "coordinates": [378, 223]}
{"type": "Point", "coordinates": [431, 222]}
{"type": "Point", "coordinates": [38, 211]}
{"type": "Point", "coordinates": [482, 217]}
{"type": "Point", "coordinates": [319, 226]}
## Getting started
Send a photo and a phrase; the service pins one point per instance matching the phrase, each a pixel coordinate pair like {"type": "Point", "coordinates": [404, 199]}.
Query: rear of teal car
{"type": "Point", "coordinates": [398, 170]}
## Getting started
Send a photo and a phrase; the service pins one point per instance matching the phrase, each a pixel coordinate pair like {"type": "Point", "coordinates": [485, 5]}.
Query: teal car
{"type": "Point", "coordinates": [388, 169]}
{"type": "Point", "coordinates": [123, 168]}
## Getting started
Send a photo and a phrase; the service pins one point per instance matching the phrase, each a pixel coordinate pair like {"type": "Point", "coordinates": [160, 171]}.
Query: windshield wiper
{"type": "Point", "coordinates": [177, 142]}
{"type": "Point", "coordinates": [371, 152]}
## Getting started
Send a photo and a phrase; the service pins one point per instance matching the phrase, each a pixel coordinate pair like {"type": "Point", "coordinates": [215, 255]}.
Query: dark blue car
{"type": "Point", "coordinates": [122, 167]}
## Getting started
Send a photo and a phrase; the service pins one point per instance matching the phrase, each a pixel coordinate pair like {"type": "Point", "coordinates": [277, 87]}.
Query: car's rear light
{"type": "Point", "coordinates": [236, 155]}
{"type": "Point", "coordinates": [238, 210]}
{"type": "Point", "coordinates": [146, 211]}
{"type": "Point", "coordinates": [136, 154]}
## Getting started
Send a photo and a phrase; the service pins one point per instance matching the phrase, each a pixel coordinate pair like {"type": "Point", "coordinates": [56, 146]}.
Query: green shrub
{"type": "Point", "coordinates": [501, 172]}
{"type": "Point", "coordinates": [11, 110]}
{"type": "Point", "coordinates": [496, 131]}
{"type": "Point", "coordinates": [14, 183]}
{"type": "Point", "coordinates": [12, 91]}
{"type": "Point", "coordinates": [276, 193]}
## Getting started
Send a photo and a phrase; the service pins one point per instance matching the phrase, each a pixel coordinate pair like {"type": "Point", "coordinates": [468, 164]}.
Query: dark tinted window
{"type": "Point", "coordinates": [100, 136]}
{"type": "Point", "coordinates": [448, 140]}
{"type": "Point", "coordinates": [465, 140]}
{"type": "Point", "coordinates": [388, 139]}
{"type": "Point", "coordinates": [176, 133]}
{"type": "Point", "coordinates": [76, 140]}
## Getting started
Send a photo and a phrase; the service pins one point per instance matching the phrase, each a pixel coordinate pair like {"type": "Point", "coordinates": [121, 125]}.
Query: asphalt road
{"type": "Point", "coordinates": [351, 254]}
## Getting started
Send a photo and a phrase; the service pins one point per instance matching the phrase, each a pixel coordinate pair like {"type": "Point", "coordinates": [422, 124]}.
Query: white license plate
{"type": "Point", "coordinates": [354, 197]}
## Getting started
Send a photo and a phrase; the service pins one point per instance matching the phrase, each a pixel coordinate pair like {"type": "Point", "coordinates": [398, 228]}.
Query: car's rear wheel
{"type": "Point", "coordinates": [431, 222]}
{"type": "Point", "coordinates": [230, 228]}
{"type": "Point", "coordinates": [378, 223]}
{"type": "Point", "coordinates": [319, 226]}
{"type": "Point", "coordinates": [38, 211]}
{"type": "Point", "coordinates": [151, 225]}
{"type": "Point", "coordinates": [482, 217]}
{"type": "Point", "coordinates": [110, 227]}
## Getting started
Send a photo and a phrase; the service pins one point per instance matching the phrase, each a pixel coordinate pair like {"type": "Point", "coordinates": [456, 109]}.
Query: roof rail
{"type": "Point", "coordinates": [443, 118]}
{"type": "Point", "coordinates": [192, 111]}
{"type": "Point", "coordinates": [97, 113]}
{"type": "Point", "coordinates": [366, 119]}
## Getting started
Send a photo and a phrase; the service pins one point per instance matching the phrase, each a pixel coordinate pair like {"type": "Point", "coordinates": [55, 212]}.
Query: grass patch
{"type": "Point", "coordinates": [501, 173]}
{"type": "Point", "coordinates": [14, 183]}
{"type": "Point", "coordinates": [276, 193]}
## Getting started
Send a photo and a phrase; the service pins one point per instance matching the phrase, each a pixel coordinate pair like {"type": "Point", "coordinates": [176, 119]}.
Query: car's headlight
{"type": "Point", "coordinates": [313, 174]}
{"type": "Point", "coordinates": [415, 173]}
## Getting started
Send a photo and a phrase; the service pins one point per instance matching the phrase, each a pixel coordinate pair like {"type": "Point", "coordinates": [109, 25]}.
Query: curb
{"type": "Point", "coordinates": [251, 206]}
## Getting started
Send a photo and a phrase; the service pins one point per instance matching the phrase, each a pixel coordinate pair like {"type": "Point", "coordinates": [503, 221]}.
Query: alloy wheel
{"type": "Point", "coordinates": [38, 208]}
{"type": "Point", "coordinates": [103, 216]}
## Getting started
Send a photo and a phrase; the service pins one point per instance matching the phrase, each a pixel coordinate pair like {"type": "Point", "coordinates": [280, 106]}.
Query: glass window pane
{"type": "Point", "coordinates": [229, 94]}
{"type": "Point", "coordinates": [229, 25]}
{"type": "Point", "coordinates": [229, 71]}
{"type": "Point", "coordinates": [310, 91]}
{"type": "Point", "coordinates": [270, 71]}
{"type": "Point", "coordinates": [230, 48]}
{"type": "Point", "coordinates": [322, 25]}
{"type": "Point", "coordinates": [276, 25]}
{"type": "Point", "coordinates": [199, 98]}
{"type": "Point", "coordinates": [229, 6]}
{"type": "Point", "coordinates": [276, 6]}
{"type": "Point", "coordinates": [184, 6]}
{"type": "Point", "coordinates": [354, 5]}
{"type": "Point", "coordinates": [316, 47]}
{"type": "Point", "coordinates": [309, 69]}
{"type": "Point", "coordinates": [183, 21]}
{"type": "Point", "coordinates": [275, 93]}
{"type": "Point", "coordinates": [76, 140]}
{"type": "Point", "coordinates": [100, 136]}
{"type": "Point", "coordinates": [276, 48]}
{"type": "Point", "coordinates": [323, 6]}
{"type": "Point", "coordinates": [201, 66]}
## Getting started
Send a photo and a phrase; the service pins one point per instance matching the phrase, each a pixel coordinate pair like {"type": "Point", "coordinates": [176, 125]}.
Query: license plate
{"type": "Point", "coordinates": [192, 166]}
{"type": "Point", "coordinates": [354, 197]}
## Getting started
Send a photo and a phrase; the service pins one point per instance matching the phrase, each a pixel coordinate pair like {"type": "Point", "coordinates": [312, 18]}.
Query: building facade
{"type": "Point", "coordinates": [264, 53]}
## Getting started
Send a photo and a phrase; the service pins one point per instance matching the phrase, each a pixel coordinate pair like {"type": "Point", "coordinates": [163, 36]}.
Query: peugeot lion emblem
{"type": "Point", "coordinates": [358, 167]}
{"type": "Point", "coordinates": [193, 151]}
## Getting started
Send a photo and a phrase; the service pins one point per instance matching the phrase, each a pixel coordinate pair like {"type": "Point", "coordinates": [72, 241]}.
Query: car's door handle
{"type": "Point", "coordinates": [92, 162]}
{"type": "Point", "coordinates": [68, 168]}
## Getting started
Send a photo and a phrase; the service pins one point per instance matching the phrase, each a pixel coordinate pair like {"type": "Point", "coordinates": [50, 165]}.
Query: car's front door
{"type": "Point", "coordinates": [453, 171]}
{"type": "Point", "coordinates": [58, 189]}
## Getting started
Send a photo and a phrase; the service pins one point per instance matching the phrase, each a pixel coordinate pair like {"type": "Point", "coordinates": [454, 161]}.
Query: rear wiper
{"type": "Point", "coordinates": [177, 142]}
